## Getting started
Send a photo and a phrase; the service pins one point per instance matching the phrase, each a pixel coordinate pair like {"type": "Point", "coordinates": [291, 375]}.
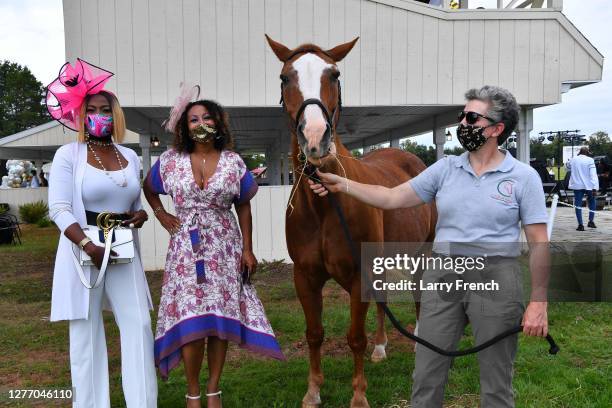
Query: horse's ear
{"type": "Point", "coordinates": [339, 52]}
{"type": "Point", "coordinates": [281, 52]}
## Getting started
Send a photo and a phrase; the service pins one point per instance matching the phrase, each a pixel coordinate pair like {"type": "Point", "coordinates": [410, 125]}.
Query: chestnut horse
{"type": "Point", "coordinates": [315, 240]}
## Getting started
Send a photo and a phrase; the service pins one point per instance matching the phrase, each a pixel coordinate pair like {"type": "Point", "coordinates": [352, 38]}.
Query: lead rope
{"type": "Point", "coordinates": [554, 349]}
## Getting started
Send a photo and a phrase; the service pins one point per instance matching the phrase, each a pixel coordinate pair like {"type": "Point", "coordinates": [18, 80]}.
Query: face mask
{"type": "Point", "coordinates": [471, 137]}
{"type": "Point", "coordinates": [203, 132]}
{"type": "Point", "coordinates": [99, 125]}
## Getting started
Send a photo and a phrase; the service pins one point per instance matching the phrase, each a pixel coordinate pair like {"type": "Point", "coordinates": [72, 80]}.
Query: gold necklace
{"type": "Point", "coordinates": [202, 174]}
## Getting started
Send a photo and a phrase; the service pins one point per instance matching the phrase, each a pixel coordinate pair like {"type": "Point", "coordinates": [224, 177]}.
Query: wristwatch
{"type": "Point", "coordinates": [84, 242]}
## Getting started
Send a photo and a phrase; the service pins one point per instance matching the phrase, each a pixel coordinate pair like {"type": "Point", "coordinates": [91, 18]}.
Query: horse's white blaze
{"type": "Point", "coordinates": [309, 68]}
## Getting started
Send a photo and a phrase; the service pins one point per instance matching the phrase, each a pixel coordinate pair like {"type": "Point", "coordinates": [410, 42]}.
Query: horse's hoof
{"type": "Point", "coordinates": [379, 354]}
{"type": "Point", "coordinates": [359, 402]}
{"type": "Point", "coordinates": [311, 401]}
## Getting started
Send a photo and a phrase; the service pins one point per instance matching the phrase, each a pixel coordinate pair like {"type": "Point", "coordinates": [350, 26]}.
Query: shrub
{"type": "Point", "coordinates": [4, 207]}
{"type": "Point", "coordinates": [32, 213]}
{"type": "Point", "coordinates": [44, 222]}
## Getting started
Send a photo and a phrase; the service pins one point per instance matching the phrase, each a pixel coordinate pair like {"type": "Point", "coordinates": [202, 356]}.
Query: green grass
{"type": "Point", "coordinates": [35, 352]}
{"type": "Point", "coordinates": [562, 172]}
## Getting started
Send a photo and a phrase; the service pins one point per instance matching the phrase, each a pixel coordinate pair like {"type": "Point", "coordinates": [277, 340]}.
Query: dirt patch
{"type": "Point", "coordinates": [43, 368]}
{"type": "Point", "coordinates": [465, 401]}
{"type": "Point", "coordinates": [273, 273]}
{"type": "Point", "coordinates": [397, 341]}
{"type": "Point", "coordinates": [332, 347]}
{"type": "Point", "coordinates": [338, 346]}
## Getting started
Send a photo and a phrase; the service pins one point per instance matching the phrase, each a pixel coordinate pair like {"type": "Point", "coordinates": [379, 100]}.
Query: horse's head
{"type": "Point", "coordinates": [310, 92]}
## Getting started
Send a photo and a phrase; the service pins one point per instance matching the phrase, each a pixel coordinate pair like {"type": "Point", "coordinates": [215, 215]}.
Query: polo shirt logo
{"type": "Point", "coordinates": [505, 189]}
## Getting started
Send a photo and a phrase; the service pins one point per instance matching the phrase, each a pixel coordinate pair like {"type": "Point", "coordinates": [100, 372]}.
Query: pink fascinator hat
{"type": "Point", "coordinates": [66, 94]}
{"type": "Point", "coordinates": [189, 93]}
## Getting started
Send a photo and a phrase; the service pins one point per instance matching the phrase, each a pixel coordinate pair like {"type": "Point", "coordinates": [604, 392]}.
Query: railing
{"type": "Point", "coordinates": [552, 4]}
{"type": "Point", "coordinates": [501, 4]}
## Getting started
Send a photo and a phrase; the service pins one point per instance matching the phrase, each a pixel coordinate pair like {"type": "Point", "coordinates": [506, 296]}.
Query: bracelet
{"type": "Point", "coordinates": [84, 242]}
{"type": "Point", "coordinates": [158, 209]}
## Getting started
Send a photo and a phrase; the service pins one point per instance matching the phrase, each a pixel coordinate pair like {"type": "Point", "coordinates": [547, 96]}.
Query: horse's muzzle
{"type": "Point", "coordinates": [314, 151]}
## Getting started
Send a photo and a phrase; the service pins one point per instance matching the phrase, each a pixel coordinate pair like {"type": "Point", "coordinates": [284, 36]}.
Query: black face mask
{"type": "Point", "coordinates": [471, 137]}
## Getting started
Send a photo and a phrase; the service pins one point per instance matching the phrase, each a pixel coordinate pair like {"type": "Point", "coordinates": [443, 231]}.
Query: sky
{"type": "Point", "coordinates": [32, 34]}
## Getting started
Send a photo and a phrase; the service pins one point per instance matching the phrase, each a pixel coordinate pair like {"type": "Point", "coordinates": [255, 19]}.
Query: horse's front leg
{"type": "Point", "coordinates": [380, 340]}
{"type": "Point", "coordinates": [309, 292]}
{"type": "Point", "coordinates": [358, 342]}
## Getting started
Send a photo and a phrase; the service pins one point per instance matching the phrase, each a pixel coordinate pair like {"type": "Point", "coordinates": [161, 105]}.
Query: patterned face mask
{"type": "Point", "coordinates": [99, 125]}
{"type": "Point", "coordinates": [471, 137]}
{"type": "Point", "coordinates": [203, 132]}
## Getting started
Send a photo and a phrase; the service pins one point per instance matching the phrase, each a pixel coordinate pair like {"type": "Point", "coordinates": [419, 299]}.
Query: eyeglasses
{"type": "Point", "coordinates": [472, 117]}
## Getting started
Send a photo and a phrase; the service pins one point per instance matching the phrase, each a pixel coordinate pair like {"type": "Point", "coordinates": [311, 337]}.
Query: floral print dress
{"type": "Point", "coordinates": [202, 291]}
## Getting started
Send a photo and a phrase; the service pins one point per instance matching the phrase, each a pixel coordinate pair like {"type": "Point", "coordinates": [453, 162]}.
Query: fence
{"type": "Point", "coordinates": [268, 209]}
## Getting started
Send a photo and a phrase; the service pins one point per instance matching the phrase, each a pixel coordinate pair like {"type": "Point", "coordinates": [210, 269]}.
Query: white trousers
{"type": "Point", "coordinates": [88, 357]}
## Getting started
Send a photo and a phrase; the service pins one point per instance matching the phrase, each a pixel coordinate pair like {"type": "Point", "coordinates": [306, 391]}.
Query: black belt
{"type": "Point", "coordinates": [92, 217]}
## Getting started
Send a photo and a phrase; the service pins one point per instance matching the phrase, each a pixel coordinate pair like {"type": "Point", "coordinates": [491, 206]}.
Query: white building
{"type": "Point", "coordinates": [406, 76]}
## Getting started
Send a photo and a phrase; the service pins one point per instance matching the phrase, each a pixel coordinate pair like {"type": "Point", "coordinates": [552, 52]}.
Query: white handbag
{"type": "Point", "coordinates": [112, 237]}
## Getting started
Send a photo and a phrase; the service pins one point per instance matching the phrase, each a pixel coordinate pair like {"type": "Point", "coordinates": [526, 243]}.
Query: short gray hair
{"type": "Point", "coordinates": [502, 107]}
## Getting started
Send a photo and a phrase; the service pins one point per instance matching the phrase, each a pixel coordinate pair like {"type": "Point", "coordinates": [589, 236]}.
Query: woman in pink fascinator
{"type": "Point", "coordinates": [207, 296]}
{"type": "Point", "coordinates": [89, 177]}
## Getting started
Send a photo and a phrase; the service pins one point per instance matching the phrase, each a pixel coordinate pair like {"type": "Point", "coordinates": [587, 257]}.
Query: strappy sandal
{"type": "Point", "coordinates": [214, 394]}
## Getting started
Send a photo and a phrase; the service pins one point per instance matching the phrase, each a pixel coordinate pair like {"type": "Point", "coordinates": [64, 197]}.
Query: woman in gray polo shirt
{"type": "Point", "coordinates": [481, 196]}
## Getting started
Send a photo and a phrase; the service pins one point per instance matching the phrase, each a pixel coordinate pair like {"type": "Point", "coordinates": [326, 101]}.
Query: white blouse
{"type": "Point", "coordinates": [101, 191]}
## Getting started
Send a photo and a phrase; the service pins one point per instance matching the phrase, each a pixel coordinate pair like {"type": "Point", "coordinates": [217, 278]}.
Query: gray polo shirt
{"type": "Point", "coordinates": [485, 209]}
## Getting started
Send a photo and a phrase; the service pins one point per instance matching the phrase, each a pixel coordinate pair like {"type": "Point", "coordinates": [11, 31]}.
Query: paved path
{"type": "Point", "coordinates": [564, 227]}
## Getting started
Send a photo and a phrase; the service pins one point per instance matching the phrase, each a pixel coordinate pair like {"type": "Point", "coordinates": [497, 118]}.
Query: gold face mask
{"type": "Point", "coordinates": [202, 133]}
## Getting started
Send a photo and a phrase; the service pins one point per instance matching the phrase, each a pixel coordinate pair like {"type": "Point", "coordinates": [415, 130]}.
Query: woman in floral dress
{"type": "Point", "coordinates": [206, 293]}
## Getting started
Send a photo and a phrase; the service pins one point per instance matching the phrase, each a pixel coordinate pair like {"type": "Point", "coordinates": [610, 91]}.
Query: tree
{"type": "Point", "coordinates": [540, 150]}
{"type": "Point", "coordinates": [543, 150]}
{"type": "Point", "coordinates": [21, 99]}
{"type": "Point", "coordinates": [357, 153]}
{"type": "Point", "coordinates": [254, 160]}
{"type": "Point", "coordinates": [455, 151]}
{"type": "Point", "coordinates": [600, 144]}
{"type": "Point", "coordinates": [425, 153]}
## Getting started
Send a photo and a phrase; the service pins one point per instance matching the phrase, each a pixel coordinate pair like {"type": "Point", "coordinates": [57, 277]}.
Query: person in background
{"type": "Point", "coordinates": [584, 181]}
{"type": "Point", "coordinates": [603, 174]}
{"type": "Point", "coordinates": [43, 180]}
{"type": "Point", "coordinates": [35, 182]}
